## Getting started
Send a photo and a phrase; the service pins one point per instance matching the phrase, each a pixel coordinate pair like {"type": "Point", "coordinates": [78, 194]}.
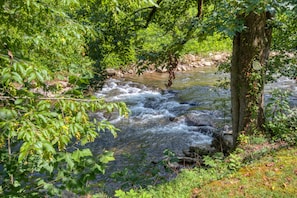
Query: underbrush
{"type": "Point", "coordinates": [282, 118]}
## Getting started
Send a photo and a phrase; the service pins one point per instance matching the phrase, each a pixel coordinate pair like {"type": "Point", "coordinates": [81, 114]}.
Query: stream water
{"type": "Point", "coordinates": [162, 120]}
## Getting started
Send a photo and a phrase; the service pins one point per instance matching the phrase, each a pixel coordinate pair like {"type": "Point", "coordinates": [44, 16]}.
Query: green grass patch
{"type": "Point", "coordinates": [274, 175]}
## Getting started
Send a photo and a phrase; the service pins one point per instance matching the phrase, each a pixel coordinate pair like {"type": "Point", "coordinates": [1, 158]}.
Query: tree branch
{"type": "Point", "coordinates": [49, 98]}
{"type": "Point", "coordinates": [200, 6]}
{"type": "Point", "coordinates": [152, 13]}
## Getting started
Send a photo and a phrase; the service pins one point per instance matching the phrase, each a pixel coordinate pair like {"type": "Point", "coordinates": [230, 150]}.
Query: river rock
{"type": "Point", "coordinates": [111, 72]}
{"type": "Point", "coordinates": [223, 141]}
{"type": "Point", "coordinates": [207, 130]}
{"type": "Point", "coordinates": [199, 150]}
{"type": "Point", "coordinates": [182, 68]}
{"type": "Point", "coordinates": [218, 57]}
{"type": "Point", "coordinates": [194, 119]}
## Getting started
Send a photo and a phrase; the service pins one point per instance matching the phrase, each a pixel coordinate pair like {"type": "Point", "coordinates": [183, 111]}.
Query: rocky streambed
{"type": "Point", "coordinates": [167, 128]}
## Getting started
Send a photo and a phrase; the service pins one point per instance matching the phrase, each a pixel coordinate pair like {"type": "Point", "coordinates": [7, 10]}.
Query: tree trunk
{"type": "Point", "coordinates": [249, 56]}
{"type": "Point", "coordinates": [200, 5]}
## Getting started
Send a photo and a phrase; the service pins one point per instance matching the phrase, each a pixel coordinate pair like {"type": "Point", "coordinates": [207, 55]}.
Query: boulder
{"type": "Point", "coordinates": [223, 141]}
{"type": "Point", "coordinates": [194, 119]}
{"type": "Point", "coordinates": [111, 72]}
{"type": "Point", "coordinates": [198, 151]}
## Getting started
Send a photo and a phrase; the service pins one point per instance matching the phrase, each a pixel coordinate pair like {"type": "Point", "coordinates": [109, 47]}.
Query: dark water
{"type": "Point", "coordinates": [158, 122]}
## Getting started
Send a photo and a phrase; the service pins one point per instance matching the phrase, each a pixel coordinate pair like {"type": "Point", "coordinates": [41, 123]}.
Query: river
{"type": "Point", "coordinates": [161, 119]}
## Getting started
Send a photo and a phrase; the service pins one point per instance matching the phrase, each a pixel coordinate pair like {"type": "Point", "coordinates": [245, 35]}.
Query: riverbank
{"type": "Point", "coordinates": [269, 172]}
{"type": "Point", "coordinates": [186, 63]}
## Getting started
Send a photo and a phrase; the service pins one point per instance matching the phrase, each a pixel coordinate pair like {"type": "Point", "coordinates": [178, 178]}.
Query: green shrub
{"type": "Point", "coordinates": [281, 119]}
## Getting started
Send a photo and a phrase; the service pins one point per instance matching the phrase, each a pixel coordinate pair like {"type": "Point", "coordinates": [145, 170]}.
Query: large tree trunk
{"type": "Point", "coordinates": [250, 53]}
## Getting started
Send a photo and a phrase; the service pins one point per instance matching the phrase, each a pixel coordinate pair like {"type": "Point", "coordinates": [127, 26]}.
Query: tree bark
{"type": "Point", "coordinates": [250, 54]}
{"type": "Point", "coordinates": [200, 5]}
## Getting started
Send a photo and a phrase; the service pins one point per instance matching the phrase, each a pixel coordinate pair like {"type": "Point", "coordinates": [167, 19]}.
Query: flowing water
{"type": "Point", "coordinates": [162, 119]}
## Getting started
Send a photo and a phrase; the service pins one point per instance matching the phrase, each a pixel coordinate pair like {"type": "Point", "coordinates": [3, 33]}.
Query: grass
{"type": "Point", "coordinates": [267, 173]}
{"type": "Point", "coordinates": [275, 175]}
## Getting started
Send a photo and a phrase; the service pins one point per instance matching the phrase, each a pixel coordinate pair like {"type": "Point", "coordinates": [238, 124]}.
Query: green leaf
{"type": "Point", "coordinates": [21, 70]}
{"type": "Point", "coordinates": [24, 150]}
{"type": "Point", "coordinates": [31, 77]}
{"type": "Point", "coordinates": [99, 168]}
{"type": "Point", "coordinates": [17, 77]}
{"type": "Point", "coordinates": [76, 155]}
{"type": "Point", "coordinates": [84, 141]}
{"type": "Point", "coordinates": [106, 157]}
{"type": "Point", "coordinates": [48, 167]}
{"type": "Point", "coordinates": [109, 108]}
{"type": "Point", "coordinates": [69, 160]}
{"type": "Point", "coordinates": [39, 77]}
{"type": "Point", "coordinates": [5, 78]}
{"type": "Point", "coordinates": [44, 120]}
{"type": "Point", "coordinates": [18, 101]}
{"type": "Point", "coordinates": [78, 117]}
{"type": "Point", "coordinates": [86, 152]}
{"type": "Point", "coordinates": [7, 114]}
{"type": "Point", "coordinates": [49, 147]}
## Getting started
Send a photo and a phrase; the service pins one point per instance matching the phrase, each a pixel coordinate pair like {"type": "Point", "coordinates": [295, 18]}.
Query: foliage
{"type": "Point", "coordinates": [41, 31]}
{"type": "Point", "coordinates": [285, 37]}
{"type": "Point", "coordinates": [146, 31]}
{"type": "Point", "coordinates": [131, 194]}
{"type": "Point", "coordinates": [281, 118]}
{"type": "Point", "coordinates": [283, 63]}
{"type": "Point", "coordinates": [44, 131]}
{"type": "Point", "coordinates": [215, 43]}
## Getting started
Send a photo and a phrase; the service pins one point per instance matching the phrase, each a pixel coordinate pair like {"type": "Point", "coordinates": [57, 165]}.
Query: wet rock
{"type": "Point", "coordinates": [194, 119]}
{"type": "Point", "coordinates": [207, 130]}
{"type": "Point", "coordinates": [223, 140]}
{"type": "Point", "coordinates": [184, 162]}
{"type": "Point", "coordinates": [177, 119]}
{"type": "Point", "coordinates": [190, 161]}
{"type": "Point", "coordinates": [198, 151]}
